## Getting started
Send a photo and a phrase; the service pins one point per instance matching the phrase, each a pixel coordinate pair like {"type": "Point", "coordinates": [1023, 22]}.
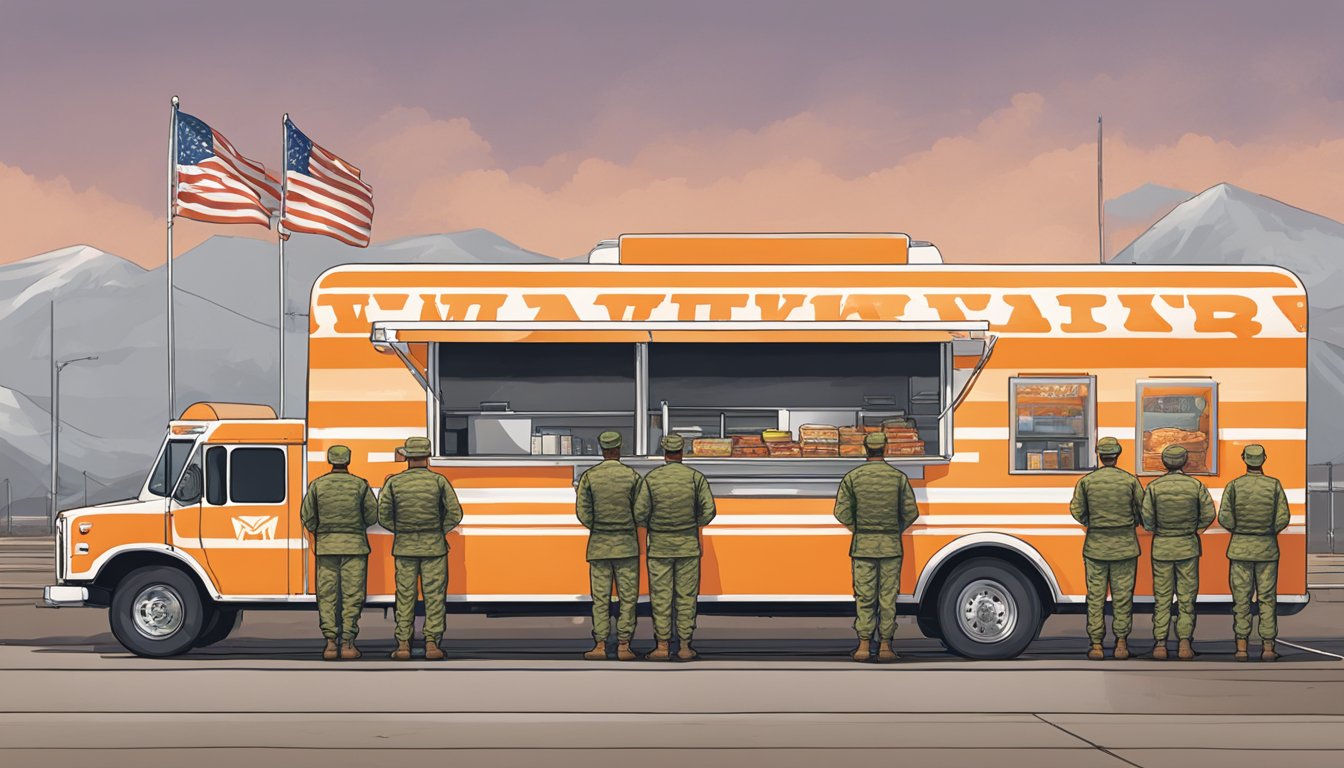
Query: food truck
{"type": "Point", "coordinates": [772, 355]}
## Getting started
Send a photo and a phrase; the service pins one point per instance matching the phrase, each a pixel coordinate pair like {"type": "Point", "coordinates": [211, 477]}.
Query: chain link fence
{"type": "Point", "coordinates": [1325, 502]}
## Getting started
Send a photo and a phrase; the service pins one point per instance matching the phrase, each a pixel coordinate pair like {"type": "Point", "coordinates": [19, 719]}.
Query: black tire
{"type": "Point", "coordinates": [928, 626]}
{"type": "Point", "coordinates": [187, 613]}
{"type": "Point", "coordinates": [1003, 595]}
{"type": "Point", "coordinates": [222, 622]}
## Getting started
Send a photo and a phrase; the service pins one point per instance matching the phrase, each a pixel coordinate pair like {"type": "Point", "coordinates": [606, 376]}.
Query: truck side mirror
{"type": "Point", "coordinates": [189, 488]}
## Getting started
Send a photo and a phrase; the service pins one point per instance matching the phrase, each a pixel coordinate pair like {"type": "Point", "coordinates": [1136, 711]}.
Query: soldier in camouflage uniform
{"type": "Point", "coordinates": [877, 504]}
{"type": "Point", "coordinates": [338, 509]}
{"type": "Point", "coordinates": [1255, 510]}
{"type": "Point", "coordinates": [673, 503]}
{"type": "Point", "coordinates": [606, 506]}
{"type": "Point", "coordinates": [419, 507]}
{"type": "Point", "coordinates": [1176, 508]}
{"type": "Point", "coordinates": [1108, 502]}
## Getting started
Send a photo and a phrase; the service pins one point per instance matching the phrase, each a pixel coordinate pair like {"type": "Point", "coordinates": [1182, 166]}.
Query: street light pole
{"type": "Point", "coordinates": [56, 369]}
{"type": "Point", "coordinates": [9, 510]}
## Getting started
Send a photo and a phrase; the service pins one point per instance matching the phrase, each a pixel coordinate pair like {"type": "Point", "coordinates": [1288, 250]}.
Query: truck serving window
{"type": "Point", "coordinates": [502, 399]}
{"type": "Point", "coordinates": [1180, 412]}
{"type": "Point", "coordinates": [1053, 423]}
{"type": "Point", "coordinates": [796, 399]}
{"type": "Point", "coordinates": [171, 461]}
{"type": "Point", "coordinates": [257, 476]}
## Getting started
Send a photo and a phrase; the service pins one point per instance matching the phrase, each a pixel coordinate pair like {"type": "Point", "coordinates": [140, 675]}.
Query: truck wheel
{"type": "Point", "coordinates": [222, 623]}
{"type": "Point", "coordinates": [987, 609]}
{"type": "Point", "coordinates": [928, 626]}
{"type": "Point", "coordinates": [157, 612]}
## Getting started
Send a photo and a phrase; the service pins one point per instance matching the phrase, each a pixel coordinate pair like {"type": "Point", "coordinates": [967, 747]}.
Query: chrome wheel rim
{"type": "Point", "coordinates": [986, 611]}
{"type": "Point", "coordinates": [157, 612]}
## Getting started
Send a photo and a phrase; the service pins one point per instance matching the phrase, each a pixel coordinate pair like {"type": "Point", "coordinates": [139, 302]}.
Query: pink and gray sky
{"type": "Point", "coordinates": [971, 124]}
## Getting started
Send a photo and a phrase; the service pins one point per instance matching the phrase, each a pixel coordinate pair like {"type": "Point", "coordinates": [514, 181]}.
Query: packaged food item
{"type": "Point", "coordinates": [712, 446]}
{"type": "Point", "coordinates": [777, 436]}
{"type": "Point", "coordinates": [1035, 460]}
{"type": "Point", "coordinates": [905, 448]}
{"type": "Point", "coordinates": [749, 446]}
{"type": "Point", "coordinates": [853, 451]}
{"type": "Point", "coordinates": [818, 433]}
{"type": "Point", "coordinates": [784, 449]}
{"type": "Point", "coordinates": [1050, 459]}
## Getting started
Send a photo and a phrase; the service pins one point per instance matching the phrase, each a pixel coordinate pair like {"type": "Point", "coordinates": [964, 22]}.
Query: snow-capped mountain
{"type": "Point", "coordinates": [1229, 225]}
{"type": "Point", "coordinates": [115, 408]}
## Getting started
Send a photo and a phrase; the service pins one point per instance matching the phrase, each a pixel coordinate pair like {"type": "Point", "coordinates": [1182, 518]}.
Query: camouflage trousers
{"type": "Point", "coordinates": [341, 583]}
{"type": "Point", "coordinates": [1183, 577]}
{"type": "Point", "coordinates": [1261, 579]}
{"type": "Point", "coordinates": [877, 581]}
{"type": "Point", "coordinates": [624, 572]}
{"type": "Point", "coordinates": [674, 581]}
{"type": "Point", "coordinates": [430, 574]}
{"type": "Point", "coordinates": [1119, 576]}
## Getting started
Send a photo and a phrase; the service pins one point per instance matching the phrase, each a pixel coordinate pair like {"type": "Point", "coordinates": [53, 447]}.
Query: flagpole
{"type": "Point", "coordinates": [280, 230]}
{"type": "Point", "coordinates": [1101, 210]}
{"type": "Point", "coordinates": [172, 195]}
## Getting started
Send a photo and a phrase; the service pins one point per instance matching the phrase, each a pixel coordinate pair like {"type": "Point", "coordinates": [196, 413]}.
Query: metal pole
{"type": "Point", "coordinates": [1330, 503]}
{"type": "Point", "coordinates": [280, 230]}
{"type": "Point", "coordinates": [85, 473]}
{"type": "Point", "coordinates": [9, 510]}
{"type": "Point", "coordinates": [172, 199]}
{"type": "Point", "coordinates": [1101, 212]}
{"type": "Point", "coordinates": [55, 417]}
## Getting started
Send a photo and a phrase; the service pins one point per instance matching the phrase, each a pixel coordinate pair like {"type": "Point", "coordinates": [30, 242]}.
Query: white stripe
{"type": "Point", "coordinates": [317, 457]}
{"type": "Point", "coordinates": [980, 433]}
{"type": "Point", "coordinates": [1119, 433]}
{"type": "Point", "coordinates": [469, 531]}
{"type": "Point", "coordinates": [787, 520]}
{"type": "Point", "coordinates": [343, 202]}
{"type": "Point", "coordinates": [380, 457]}
{"type": "Point", "coordinates": [1253, 433]}
{"type": "Point", "coordinates": [516, 496]}
{"type": "Point", "coordinates": [966, 457]}
{"type": "Point", "coordinates": [305, 213]}
{"type": "Point", "coordinates": [240, 216]}
{"type": "Point", "coordinates": [332, 164]}
{"type": "Point", "coordinates": [364, 433]}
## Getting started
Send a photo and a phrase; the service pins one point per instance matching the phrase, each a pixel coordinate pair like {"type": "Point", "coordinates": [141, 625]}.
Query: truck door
{"type": "Point", "coordinates": [245, 519]}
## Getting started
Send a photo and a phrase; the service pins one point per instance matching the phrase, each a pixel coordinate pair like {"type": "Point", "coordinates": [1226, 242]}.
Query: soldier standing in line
{"type": "Point", "coordinates": [338, 509]}
{"type": "Point", "coordinates": [674, 502]}
{"type": "Point", "coordinates": [1255, 509]}
{"type": "Point", "coordinates": [1176, 508]}
{"type": "Point", "coordinates": [1108, 502]}
{"type": "Point", "coordinates": [876, 503]}
{"type": "Point", "coordinates": [606, 506]}
{"type": "Point", "coordinates": [419, 507]}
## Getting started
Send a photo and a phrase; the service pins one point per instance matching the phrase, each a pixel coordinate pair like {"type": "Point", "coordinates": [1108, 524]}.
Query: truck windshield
{"type": "Point", "coordinates": [171, 461]}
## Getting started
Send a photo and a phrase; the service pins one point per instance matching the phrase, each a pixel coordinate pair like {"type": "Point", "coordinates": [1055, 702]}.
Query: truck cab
{"type": "Point", "coordinates": [214, 529]}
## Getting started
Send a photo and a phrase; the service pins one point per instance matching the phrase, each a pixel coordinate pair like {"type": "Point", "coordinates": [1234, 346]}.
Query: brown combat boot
{"type": "Point", "coordinates": [1096, 652]}
{"type": "Point", "coordinates": [598, 652]}
{"type": "Point", "coordinates": [331, 652]}
{"type": "Point", "coordinates": [1160, 652]}
{"type": "Point", "coordinates": [885, 654]}
{"type": "Point", "coordinates": [686, 652]}
{"type": "Point", "coordinates": [623, 652]}
{"type": "Point", "coordinates": [1267, 652]}
{"type": "Point", "coordinates": [403, 652]}
{"type": "Point", "coordinates": [862, 653]}
{"type": "Point", "coordinates": [433, 652]}
{"type": "Point", "coordinates": [1121, 649]}
{"type": "Point", "coordinates": [348, 651]}
{"type": "Point", "coordinates": [1186, 652]}
{"type": "Point", "coordinates": [1242, 654]}
{"type": "Point", "coordinates": [660, 652]}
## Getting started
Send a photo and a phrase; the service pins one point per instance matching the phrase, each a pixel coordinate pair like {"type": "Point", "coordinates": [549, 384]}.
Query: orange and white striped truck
{"type": "Point", "coordinates": [1002, 377]}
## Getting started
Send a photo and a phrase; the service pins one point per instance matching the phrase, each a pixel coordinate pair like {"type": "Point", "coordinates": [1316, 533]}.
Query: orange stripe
{"type": "Point", "coordinates": [896, 278]}
{"type": "Point", "coordinates": [349, 352]}
{"type": "Point", "coordinates": [1026, 355]}
{"type": "Point", "coordinates": [765, 249]}
{"type": "Point", "coordinates": [1270, 415]}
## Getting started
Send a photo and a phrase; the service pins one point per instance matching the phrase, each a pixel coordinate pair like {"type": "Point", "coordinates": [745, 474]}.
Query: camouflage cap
{"type": "Point", "coordinates": [1174, 456]}
{"type": "Point", "coordinates": [1253, 455]}
{"type": "Point", "coordinates": [673, 443]}
{"type": "Point", "coordinates": [1108, 446]}
{"type": "Point", "coordinates": [338, 455]}
{"type": "Point", "coordinates": [415, 448]}
{"type": "Point", "coordinates": [609, 440]}
{"type": "Point", "coordinates": [875, 440]}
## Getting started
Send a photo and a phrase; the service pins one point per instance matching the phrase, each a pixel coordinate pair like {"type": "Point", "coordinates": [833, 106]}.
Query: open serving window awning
{"type": "Point", "coordinates": [395, 333]}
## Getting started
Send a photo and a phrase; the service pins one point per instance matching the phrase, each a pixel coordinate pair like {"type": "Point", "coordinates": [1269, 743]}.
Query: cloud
{"type": "Point", "coordinates": [1014, 187]}
{"type": "Point", "coordinates": [46, 214]}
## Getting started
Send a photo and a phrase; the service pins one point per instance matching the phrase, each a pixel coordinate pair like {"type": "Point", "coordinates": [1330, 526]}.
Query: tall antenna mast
{"type": "Point", "coordinates": [1101, 210]}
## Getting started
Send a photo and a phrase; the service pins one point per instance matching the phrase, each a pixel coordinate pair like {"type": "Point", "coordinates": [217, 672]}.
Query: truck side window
{"type": "Point", "coordinates": [216, 473]}
{"type": "Point", "coordinates": [1054, 423]}
{"type": "Point", "coordinates": [257, 476]}
{"type": "Point", "coordinates": [1181, 412]}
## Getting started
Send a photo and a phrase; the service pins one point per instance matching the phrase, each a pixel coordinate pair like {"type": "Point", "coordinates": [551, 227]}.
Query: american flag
{"type": "Point", "coordinates": [323, 193]}
{"type": "Point", "coordinates": [216, 183]}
